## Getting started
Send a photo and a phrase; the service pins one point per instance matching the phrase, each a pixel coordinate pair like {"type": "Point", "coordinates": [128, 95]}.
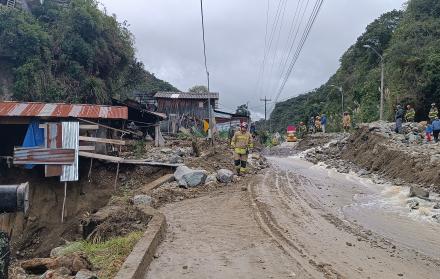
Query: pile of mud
{"type": "Point", "coordinates": [113, 221]}
{"type": "Point", "coordinates": [418, 164]}
{"type": "Point", "coordinates": [371, 150]}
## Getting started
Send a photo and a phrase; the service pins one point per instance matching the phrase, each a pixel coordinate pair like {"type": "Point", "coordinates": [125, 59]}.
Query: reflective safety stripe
{"type": "Point", "coordinates": [241, 151]}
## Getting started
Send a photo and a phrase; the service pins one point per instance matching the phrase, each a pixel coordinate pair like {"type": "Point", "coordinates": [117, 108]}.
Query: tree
{"type": "Point", "coordinates": [74, 54]}
{"type": "Point", "coordinates": [198, 89]}
{"type": "Point", "coordinates": [243, 111]}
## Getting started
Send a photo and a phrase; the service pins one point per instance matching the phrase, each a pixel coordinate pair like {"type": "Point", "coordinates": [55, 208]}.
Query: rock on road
{"type": "Point", "coordinates": [295, 221]}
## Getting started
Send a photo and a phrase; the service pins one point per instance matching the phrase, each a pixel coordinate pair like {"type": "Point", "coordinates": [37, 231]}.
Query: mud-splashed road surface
{"type": "Point", "coordinates": [341, 226]}
{"type": "Point", "coordinates": [299, 220]}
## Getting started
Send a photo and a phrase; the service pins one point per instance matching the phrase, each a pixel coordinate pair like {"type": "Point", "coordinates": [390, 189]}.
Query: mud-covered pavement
{"type": "Point", "coordinates": [300, 220]}
{"type": "Point", "coordinates": [341, 226]}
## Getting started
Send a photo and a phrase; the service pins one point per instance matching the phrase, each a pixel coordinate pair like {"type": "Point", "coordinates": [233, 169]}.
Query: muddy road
{"type": "Point", "coordinates": [342, 226]}
{"type": "Point", "coordinates": [299, 220]}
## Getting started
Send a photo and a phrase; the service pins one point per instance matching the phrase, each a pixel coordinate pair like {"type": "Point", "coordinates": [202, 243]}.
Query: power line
{"type": "Point", "coordinates": [207, 73]}
{"type": "Point", "coordinates": [304, 37]}
{"type": "Point", "coordinates": [269, 44]}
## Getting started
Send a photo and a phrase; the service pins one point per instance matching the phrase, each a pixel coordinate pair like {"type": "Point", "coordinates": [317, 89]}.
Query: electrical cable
{"type": "Point", "coordinates": [304, 38]}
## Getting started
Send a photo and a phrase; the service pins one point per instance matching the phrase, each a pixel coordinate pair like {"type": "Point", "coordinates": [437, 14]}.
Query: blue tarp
{"type": "Point", "coordinates": [34, 138]}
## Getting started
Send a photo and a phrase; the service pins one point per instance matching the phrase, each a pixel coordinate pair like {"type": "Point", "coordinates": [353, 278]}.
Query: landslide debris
{"type": "Point", "coordinates": [376, 148]}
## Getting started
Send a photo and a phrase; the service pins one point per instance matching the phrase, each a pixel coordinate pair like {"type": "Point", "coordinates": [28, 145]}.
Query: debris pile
{"type": "Point", "coordinates": [376, 148]}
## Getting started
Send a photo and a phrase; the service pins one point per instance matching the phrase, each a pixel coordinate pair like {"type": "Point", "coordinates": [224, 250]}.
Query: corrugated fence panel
{"type": "Point", "coordinates": [43, 156]}
{"type": "Point", "coordinates": [54, 139]}
{"type": "Point", "coordinates": [70, 131]}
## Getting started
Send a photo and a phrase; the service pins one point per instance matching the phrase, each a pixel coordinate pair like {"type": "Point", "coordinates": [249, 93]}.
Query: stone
{"type": "Point", "coordinates": [414, 205]}
{"type": "Point", "coordinates": [56, 252]}
{"type": "Point", "coordinates": [187, 177]}
{"type": "Point", "coordinates": [175, 159]}
{"type": "Point", "coordinates": [437, 205]}
{"type": "Point", "coordinates": [435, 159]}
{"type": "Point", "coordinates": [419, 192]}
{"type": "Point", "coordinates": [63, 271]}
{"type": "Point", "coordinates": [436, 217]}
{"type": "Point", "coordinates": [85, 274]}
{"type": "Point", "coordinates": [211, 178]}
{"type": "Point", "coordinates": [166, 150]}
{"type": "Point", "coordinates": [142, 200]}
{"type": "Point", "coordinates": [225, 176]}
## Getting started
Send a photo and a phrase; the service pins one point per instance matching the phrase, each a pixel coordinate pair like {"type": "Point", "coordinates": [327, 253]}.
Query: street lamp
{"type": "Point", "coordinates": [382, 62]}
{"type": "Point", "coordinates": [342, 96]}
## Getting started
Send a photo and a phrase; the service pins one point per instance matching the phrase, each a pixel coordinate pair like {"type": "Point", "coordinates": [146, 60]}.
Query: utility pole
{"type": "Point", "coordinates": [265, 100]}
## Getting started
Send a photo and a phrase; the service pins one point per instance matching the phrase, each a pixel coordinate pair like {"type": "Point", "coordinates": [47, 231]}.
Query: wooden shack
{"type": "Point", "coordinates": [192, 105]}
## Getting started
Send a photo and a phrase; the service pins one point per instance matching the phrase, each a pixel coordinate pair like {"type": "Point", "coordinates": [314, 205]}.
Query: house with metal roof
{"type": "Point", "coordinates": [193, 105]}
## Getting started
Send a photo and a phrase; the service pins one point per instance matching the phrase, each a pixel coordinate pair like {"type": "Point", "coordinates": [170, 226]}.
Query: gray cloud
{"type": "Point", "coordinates": [168, 41]}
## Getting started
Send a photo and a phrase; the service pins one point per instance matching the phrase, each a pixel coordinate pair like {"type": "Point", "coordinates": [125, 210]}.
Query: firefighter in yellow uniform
{"type": "Point", "coordinates": [241, 143]}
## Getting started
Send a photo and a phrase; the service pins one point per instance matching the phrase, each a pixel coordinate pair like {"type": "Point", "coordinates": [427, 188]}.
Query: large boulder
{"type": "Point", "coordinates": [85, 274]}
{"type": "Point", "coordinates": [187, 177]}
{"type": "Point", "coordinates": [142, 200]}
{"type": "Point", "coordinates": [225, 176]}
{"type": "Point", "coordinates": [419, 192]}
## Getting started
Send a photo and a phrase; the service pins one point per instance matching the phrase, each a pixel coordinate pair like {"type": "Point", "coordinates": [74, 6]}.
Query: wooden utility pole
{"type": "Point", "coordinates": [265, 100]}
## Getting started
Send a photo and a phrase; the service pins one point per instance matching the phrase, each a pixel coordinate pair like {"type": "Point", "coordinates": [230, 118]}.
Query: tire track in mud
{"type": "Point", "coordinates": [282, 236]}
{"type": "Point", "coordinates": [290, 208]}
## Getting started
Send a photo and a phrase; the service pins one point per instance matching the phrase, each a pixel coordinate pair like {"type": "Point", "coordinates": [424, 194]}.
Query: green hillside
{"type": "Point", "coordinates": [69, 52]}
{"type": "Point", "coordinates": [409, 41]}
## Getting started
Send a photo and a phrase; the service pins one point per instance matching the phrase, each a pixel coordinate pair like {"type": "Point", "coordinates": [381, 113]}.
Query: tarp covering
{"type": "Point", "coordinates": [34, 137]}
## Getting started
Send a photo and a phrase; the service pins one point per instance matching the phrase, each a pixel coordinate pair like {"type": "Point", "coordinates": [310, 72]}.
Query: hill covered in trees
{"type": "Point", "coordinates": [409, 40]}
{"type": "Point", "coordinates": [69, 52]}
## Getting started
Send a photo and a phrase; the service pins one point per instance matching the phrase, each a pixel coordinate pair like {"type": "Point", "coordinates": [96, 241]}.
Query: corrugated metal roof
{"type": "Point", "coordinates": [62, 110]}
{"type": "Point", "coordinates": [186, 95]}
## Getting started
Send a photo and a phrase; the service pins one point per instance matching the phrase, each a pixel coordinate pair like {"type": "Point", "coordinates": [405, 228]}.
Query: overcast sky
{"type": "Point", "coordinates": [168, 41]}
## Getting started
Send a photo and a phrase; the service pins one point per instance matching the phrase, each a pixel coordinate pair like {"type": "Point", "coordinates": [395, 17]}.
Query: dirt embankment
{"type": "Point", "coordinates": [41, 230]}
{"type": "Point", "coordinates": [373, 149]}
{"type": "Point", "coordinates": [410, 163]}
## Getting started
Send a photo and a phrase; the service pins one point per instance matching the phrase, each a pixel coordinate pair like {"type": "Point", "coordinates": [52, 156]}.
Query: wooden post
{"type": "Point", "coordinates": [64, 202]}
{"type": "Point", "coordinates": [117, 175]}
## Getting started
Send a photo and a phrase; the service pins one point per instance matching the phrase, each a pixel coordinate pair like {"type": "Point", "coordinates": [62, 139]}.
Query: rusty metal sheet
{"type": "Point", "coordinates": [27, 109]}
{"type": "Point", "coordinates": [43, 156]}
{"type": "Point", "coordinates": [70, 135]}
{"type": "Point", "coordinates": [54, 139]}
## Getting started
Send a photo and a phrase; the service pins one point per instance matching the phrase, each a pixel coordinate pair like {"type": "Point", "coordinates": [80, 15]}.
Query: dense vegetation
{"type": "Point", "coordinates": [409, 40]}
{"type": "Point", "coordinates": [70, 53]}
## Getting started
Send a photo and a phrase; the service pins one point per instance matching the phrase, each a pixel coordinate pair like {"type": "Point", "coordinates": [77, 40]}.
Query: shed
{"type": "Point", "coordinates": [194, 105]}
{"type": "Point", "coordinates": [225, 120]}
{"type": "Point", "coordinates": [15, 118]}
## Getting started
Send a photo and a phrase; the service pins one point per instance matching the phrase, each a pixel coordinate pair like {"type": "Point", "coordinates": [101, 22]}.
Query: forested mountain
{"type": "Point", "coordinates": [409, 40]}
{"type": "Point", "coordinates": [69, 51]}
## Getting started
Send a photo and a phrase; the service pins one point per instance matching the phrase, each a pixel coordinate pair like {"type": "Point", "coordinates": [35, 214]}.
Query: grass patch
{"type": "Point", "coordinates": [107, 256]}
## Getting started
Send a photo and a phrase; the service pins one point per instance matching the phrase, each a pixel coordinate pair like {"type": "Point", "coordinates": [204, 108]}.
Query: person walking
{"type": "Point", "coordinates": [399, 118]}
{"type": "Point", "coordinates": [433, 112]}
{"type": "Point", "coordinates": [302, 129]}
{"type": "Point", "coordinates": [346, 122]}
{"type": "Point", "coordinates": [428, 132]}
{"type": "Point", "coordinates": [436, 128]}
{"type": "Point", "coordinates": [323, 122]}
{"type": "Point", "coordinates": [410, 114]}
{"type": "Point", "coordinates": [318, 124]}
{"type": "Point", "coordinates": [241, 143]}
{"type": "Point", "coordinates": [312, 125]}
